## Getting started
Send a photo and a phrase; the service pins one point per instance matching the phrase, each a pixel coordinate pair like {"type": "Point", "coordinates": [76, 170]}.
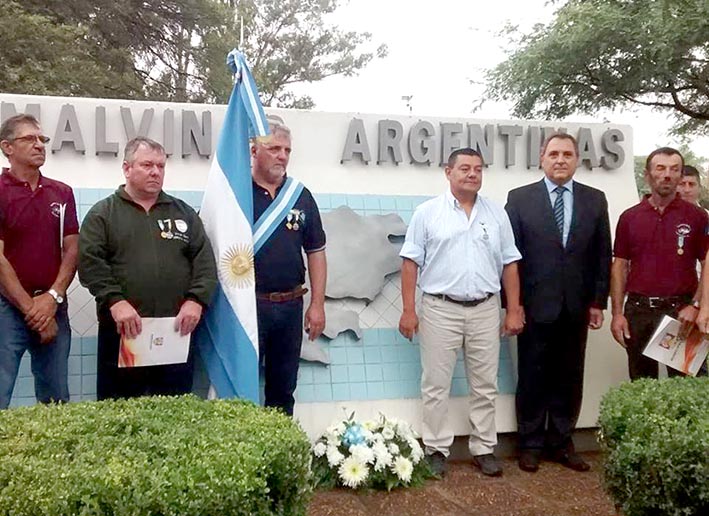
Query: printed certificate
{"type": "Point", "coordinates": [686, 355]}
{"type": "Point", "coordinates": [157, 344]}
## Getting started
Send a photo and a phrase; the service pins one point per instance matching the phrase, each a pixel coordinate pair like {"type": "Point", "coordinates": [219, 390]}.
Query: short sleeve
{"type": "Point", "coordinates": [415, 241]}
{"type": "Point", "coordinates": [71, 221]}
{"type": "Point", "coordinates": [509, 250]}
{"type": "Point", "coordinates": [314, 235]}
{"type": "Point", "coordinates": [621, 247]}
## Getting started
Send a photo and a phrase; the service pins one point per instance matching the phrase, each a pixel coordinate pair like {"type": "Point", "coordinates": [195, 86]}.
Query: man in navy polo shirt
{"type": "Point", "coordinates": [38, 251]}
{"type": "Point", "coordinates": [657, 245]}
{"type": "Point", "coordinates": [288, 212]}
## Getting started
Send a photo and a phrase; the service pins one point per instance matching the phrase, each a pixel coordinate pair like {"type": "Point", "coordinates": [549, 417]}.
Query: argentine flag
{"type": "Point", "coordinates": [228, 335]}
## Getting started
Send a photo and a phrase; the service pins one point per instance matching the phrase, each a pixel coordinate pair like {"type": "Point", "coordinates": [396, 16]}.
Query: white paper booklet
{"type": "Point", "coordinates": [157, 344]}
{"type": "Point", "coordinates": [686, 355]}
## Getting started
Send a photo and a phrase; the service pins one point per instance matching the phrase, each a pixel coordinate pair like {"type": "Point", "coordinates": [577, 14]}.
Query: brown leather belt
{"type": "Point", "coordinates": [474, 302]}
{"type": "Point", "coordinates": [282, 297]}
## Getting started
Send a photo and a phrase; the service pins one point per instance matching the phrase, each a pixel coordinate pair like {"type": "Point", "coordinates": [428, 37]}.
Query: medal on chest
{"type": "Point", "coordinates": [682, 232]}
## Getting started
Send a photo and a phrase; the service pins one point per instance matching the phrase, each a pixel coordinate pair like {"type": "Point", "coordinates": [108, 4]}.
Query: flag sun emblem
{"type": "Point", "coordinates": [237, 266]}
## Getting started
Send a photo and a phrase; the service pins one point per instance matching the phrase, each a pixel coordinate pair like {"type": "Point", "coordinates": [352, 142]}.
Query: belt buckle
{"type": "Point", "coordinates": [654, 302]}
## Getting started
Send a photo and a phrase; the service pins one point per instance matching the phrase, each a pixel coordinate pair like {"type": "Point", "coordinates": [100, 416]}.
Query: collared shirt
{"type": "Point", "coordinates": [279, 263]}
{"type": "Point", "coordinates": [458, 256]}
{"type": "Point", "coordinates": [29, 227]}
{"type": "Point", "coordinates": [652, 240]}
{"type": "Point", "coordinates": [568, 193]}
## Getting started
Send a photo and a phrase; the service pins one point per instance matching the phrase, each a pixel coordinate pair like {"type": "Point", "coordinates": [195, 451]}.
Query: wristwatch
{"type": "Point", "coordinates": [59, 299]}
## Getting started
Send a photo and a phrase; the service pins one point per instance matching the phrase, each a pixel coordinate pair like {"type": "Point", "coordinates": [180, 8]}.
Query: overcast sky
{"type": "Point", "coordinates": [436, 48]}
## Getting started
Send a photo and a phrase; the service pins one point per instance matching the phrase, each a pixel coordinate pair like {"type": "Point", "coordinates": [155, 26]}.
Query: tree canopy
{"type": "Point", "coordinates": [174, 50]}
{"type": "Point", "coordinates": [598, 54]}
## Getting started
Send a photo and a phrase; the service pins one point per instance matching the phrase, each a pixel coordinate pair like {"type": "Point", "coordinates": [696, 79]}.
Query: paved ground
{"type": "Point", "coordinates": [552, 491]}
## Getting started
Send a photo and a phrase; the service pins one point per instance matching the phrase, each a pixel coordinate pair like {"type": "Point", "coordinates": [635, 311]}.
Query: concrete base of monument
{"type": "Point", "coordinates": [585, 440]}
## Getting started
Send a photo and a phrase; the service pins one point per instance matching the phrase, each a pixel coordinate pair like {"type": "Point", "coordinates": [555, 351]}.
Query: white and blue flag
{"type": "Point", "coordinates": [228, 335]}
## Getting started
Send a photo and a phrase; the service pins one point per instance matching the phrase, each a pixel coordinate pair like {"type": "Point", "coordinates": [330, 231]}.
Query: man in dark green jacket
{"type": "Point", "coordinates": [143, 253]}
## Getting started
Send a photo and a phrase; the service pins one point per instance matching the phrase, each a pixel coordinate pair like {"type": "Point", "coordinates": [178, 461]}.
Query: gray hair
{"type": "Point", "coordinates": [8, 129]}
{"type": "Point", "coordinates": [133, 145]}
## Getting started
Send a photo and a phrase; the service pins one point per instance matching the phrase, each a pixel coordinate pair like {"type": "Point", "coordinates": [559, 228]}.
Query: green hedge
{"type": "Point", "coordinates": [655, 435]}
{"type": "Point", "coordinates": [152, 456]}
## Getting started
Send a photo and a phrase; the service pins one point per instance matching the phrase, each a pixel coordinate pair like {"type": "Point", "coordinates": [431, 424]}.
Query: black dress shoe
{"type": "Point", "coordinates": [529, 460]}
{"type": "Point", "coordinates": [488, 464]}
{"type": "Point", "coordinates": [571, 460]}
{"type": "Point", "coordinates": [437, 462]}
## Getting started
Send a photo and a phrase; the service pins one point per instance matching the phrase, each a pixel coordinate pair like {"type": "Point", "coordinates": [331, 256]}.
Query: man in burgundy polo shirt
{"type": "Point", "coordinates": [37, 264]}
{"type": "Point", "coordinates": [657, 245]}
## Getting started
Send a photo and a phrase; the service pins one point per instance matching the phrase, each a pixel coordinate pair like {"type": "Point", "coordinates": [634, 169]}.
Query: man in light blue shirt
{"type": "Point", "coordinates": [461, 248]}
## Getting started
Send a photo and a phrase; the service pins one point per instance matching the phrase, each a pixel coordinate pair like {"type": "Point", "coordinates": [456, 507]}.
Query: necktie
{"type": "Point", "coordinates": [559, 209]}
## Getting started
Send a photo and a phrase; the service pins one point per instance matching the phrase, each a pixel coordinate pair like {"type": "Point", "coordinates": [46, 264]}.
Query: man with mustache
{"type": "Point", "coordinates": [658, 243]}
{"type": "Point", "coordinates": [38, 249]}
{"type": "Point", "coordinates": [289, 210]}
{"type": "Point", "coordinates": [561, 228]}
{"type": "Point", "coordinates": [460, 251]}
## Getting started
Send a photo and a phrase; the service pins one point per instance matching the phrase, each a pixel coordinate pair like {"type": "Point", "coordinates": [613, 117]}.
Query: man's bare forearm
{"type": "Point", "coordinates": [619, 279]}
{"type": "Point", "coordinates": [317, 272]}
{"type": "Point", "coordinates": [67, 269]}
{"type": "Point", "coordinates": [10, 285]}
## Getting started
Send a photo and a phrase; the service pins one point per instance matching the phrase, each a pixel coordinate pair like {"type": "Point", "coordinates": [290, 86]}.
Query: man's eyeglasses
{"type": "Point", "coordinates": [31, 138]}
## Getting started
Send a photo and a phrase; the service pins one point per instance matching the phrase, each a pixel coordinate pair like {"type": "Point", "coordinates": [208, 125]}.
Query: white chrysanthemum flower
{"type": "Point", "coordinates": [378, 438]}
{"type": "Point", "coordinates": [353, 472]}
{"type": "Point", "coordinates": [404, 429]}
{"type": "Point", "coordinates": [367, 434]}
{"type": "Point", "coordinates": [319, 449]}
{"type": "Point", "coordinates": [416, 450]}
{"type": "Point", "coordinates": [382, 456]}
{"type": "Point", "coordinates": [403, 468]}
{"type": "Point", "coordinates": [334, 457]}
{"type": "Point", "coordinates": [393, 448]}
{"type": "Point", "coordinates": [388, 433]}
{"type": "Point", "coordinates": [363, 453]}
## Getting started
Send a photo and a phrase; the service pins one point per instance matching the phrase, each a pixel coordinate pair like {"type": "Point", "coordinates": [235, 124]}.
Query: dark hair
{"type": "Point", "coordinates": [689, 170]}
{"type": "Point", "coordinates": [9, 126]}
{"type": "Point", "coordinates": [465, 151]}
{"type": "Point", "coordinates": [133, 145]}
{"type": "Point", "coordinates": [667, 151]}
{"type": "Point", "coordinates": [560, 136]}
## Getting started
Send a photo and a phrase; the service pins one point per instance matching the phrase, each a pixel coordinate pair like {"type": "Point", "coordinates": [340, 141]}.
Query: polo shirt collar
{"type": "Point", "coordinates": [278, 188]}
{"type": "Point", "coordinates": [674, 203]}
{"type": "Point", "coordinates": [9, 178]}
{"type": "Point", "coordinates": [163, 198]}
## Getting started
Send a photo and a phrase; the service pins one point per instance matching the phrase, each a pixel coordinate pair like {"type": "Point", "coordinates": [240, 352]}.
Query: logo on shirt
{"type": "Point", "coordinates": [295, 219]}
{"type": "Point", "coordinates": [56, 208]}
{"type": "Point", "coordinates": [173, 229]}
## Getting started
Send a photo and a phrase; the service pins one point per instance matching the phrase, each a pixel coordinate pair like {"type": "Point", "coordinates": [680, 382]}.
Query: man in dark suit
{"type": "Point", "coordinates": [562, 231]}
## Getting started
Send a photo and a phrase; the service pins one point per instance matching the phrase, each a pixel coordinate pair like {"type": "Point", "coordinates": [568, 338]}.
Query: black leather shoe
{"type": "Point", "coordinates": [488, 464]}
{"type": "Point", "coordinates": [571, 460]}
{"type": "Point", "coordinates": [529, 460]}
{"type": "Point", "coordinates": [437, 462]}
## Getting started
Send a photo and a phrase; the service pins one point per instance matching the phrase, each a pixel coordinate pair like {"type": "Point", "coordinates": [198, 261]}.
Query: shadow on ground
{"type": "Point", "coordinates": [553, 491]}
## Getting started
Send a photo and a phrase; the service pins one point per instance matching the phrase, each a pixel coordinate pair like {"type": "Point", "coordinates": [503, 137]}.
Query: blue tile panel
{"type": "Point", "coordinates": [383, 365]}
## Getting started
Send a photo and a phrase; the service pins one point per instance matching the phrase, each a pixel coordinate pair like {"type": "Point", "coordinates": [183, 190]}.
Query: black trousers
{"type": "Point", "coordinates": [113, 382]}
{"type": "Point", "coordinates": [550, 381]}
{"type": "Point", "coordinates": [280, 336]}
{"type": "Point", "coordinates": [643, 321]}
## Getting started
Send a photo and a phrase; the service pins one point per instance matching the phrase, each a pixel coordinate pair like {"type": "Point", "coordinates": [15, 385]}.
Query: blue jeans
{"type": "Point", "coordinates": [280, 332]}
{"type": "Point", "coordinates": [49, 361]}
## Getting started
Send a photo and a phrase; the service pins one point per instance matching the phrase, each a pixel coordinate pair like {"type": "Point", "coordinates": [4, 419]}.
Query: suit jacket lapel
{"type": "Point", "coordinates": [547, 213]}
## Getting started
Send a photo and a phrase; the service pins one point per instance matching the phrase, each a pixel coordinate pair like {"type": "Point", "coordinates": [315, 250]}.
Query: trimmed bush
{"type": "Point", "coordinates": [655, 435]}
{"type": "Point", "coordinates": [152, 456]}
